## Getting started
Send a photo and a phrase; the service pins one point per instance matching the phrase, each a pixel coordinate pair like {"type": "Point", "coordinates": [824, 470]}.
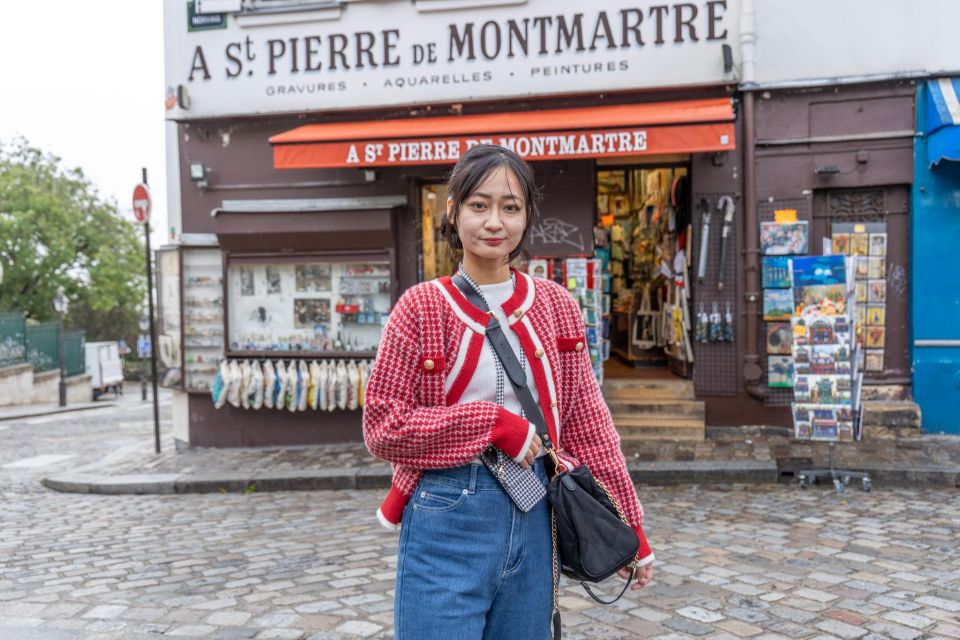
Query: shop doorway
{"type": "Point", "coordinates": [434, 260]}
{"type": "Point", "coordinates": [642, 235]}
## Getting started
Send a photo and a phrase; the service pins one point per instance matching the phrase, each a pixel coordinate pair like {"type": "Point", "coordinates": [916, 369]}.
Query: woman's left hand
{"type": "Point", "coordinates": [643, 575]}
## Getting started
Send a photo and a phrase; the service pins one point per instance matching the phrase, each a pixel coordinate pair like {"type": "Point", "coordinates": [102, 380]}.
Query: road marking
{"type": "Point", "coordinates": [37, 461]}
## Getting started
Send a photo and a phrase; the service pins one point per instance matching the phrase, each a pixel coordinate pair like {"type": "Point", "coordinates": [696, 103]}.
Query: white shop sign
{"type": "Point", "coordinates": [373, 54]}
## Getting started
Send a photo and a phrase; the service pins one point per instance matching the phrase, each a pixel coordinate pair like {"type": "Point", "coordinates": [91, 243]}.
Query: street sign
{"type": "Point", "coordinates": [141, 203]}
{"type": "Point", "coordinates": [143, 346]}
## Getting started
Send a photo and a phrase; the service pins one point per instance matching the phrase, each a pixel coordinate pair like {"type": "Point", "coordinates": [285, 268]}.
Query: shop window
{"type": "Point", "coordinates": [311, 306]}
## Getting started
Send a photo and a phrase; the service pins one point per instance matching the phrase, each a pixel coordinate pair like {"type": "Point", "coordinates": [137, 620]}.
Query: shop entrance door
{"type": "Point", "coordinates": [643, 225]}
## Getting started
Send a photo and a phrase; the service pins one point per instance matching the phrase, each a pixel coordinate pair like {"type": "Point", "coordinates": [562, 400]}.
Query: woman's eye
{"type": "Point", "coordinates": [477, 205]}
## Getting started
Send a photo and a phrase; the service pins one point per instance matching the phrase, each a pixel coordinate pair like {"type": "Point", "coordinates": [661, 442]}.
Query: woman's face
{"type": "Point", "coordinates": [492, 219]}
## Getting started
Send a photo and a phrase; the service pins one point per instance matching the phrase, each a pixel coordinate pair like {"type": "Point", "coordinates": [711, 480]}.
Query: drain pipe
{"type": "Point", "coordinates": [752, 371]}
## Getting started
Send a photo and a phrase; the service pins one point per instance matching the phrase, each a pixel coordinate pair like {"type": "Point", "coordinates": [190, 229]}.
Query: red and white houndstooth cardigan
{"type": "Point", "coordinates": [412, 415]}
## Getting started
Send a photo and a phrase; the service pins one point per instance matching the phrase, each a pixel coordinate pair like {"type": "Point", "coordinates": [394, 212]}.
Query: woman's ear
{"type": "Point", "coordinates": [450, 216]}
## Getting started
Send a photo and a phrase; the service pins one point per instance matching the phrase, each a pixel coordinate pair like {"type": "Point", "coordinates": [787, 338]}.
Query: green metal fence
{"type": "Point", "coordinates": [73, 343]}
{"type": "Point", "coordinates": [37, 344]}
{"type": "Point", "coordinates": [42, 348]}
{"type": "Point", "coordinates": [13, 339]}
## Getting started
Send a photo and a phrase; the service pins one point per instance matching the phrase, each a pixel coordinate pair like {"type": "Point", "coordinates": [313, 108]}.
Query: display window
{"type": "Point", "coordinates": [309, 305]}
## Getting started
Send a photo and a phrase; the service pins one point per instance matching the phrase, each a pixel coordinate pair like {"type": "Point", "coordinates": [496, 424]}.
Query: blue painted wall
{"type": "Point", "coordinates": [935, 285]}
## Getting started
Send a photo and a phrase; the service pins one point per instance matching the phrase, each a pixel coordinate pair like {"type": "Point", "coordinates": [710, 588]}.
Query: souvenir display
{"type": "Point", "coordinates": [827, 378]}
{"type": "Point", "coordinates": [728, 330]}
{"type": "Point", "coordinates": [869, 243]}
{"type": "Point", "coordinates": [295, 386]}
{"type": "Point", "coordinates": [169, 333]}
{"type": "Point", "coordinates": [783, 239]}
{"type": "Point", "coordinates": [584, 282]}
{"type": "Point", "coordinates": [309, 306]}
{"type": "Point", "coordinates": [203, 345]}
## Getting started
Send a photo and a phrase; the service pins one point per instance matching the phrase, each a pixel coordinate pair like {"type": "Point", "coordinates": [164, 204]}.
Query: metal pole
{"type": "Point", "coordinates": [63, 368]}
{"type": "Point", "coordinates": [153, 335]}
{"type": "Point", "coordinates": [143, 377]}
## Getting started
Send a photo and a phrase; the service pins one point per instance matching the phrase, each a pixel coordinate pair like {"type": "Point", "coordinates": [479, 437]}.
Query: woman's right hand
{"type": "Point", "coordinates": [530, 457]}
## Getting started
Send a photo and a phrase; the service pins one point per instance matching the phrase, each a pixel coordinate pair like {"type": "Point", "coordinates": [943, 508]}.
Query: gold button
{"type": "Point", "coordinates": [553, 405]}
{"type": "Point", "coordinates": [428, 365]}
{"type": "Point", "coordinates": [579, 346]}
{"type": "Point", "coordinates": [517, 313]}
{"type": "Point", "coordinates": [539, 353]}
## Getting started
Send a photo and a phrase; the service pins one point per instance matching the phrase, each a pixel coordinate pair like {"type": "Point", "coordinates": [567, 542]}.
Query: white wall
{"type": "Point", "coordinates": [812, 42]}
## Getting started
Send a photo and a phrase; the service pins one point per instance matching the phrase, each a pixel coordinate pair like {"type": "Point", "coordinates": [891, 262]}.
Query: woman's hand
{"type": "Point", "coordinates": [532, 452]}
{"type": "Point", "coordinates": [643, 575]}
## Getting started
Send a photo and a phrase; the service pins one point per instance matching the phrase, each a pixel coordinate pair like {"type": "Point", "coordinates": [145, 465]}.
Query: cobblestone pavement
{"type": "Point", "coordinates": [770, 562]}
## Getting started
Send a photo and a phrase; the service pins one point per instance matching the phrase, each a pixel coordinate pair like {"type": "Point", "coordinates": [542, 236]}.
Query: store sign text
{"type": "Point", "coordinates": [530, 146]}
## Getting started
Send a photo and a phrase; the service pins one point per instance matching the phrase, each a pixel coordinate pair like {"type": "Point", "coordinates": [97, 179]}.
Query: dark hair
{"type": "Point", "coordinates": [469, 173]}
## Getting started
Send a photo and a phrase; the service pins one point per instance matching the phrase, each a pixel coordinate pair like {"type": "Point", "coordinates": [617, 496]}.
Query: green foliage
{"type": "Point", "coordinates": [56, 230]}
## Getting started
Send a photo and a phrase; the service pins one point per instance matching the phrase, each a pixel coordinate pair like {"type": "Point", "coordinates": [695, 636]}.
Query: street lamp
{"type": "Point", "coordinates": [60, 304]}
{"type": "Point", "coordinates": [144, 326]}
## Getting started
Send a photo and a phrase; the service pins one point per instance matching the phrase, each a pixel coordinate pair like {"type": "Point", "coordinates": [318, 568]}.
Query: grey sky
{"type": "Point", "coordinates": [84, 81]}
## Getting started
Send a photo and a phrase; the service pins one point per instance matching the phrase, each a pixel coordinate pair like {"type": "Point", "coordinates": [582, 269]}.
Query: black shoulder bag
{"type": "Point", "coordinates": [593, 539]}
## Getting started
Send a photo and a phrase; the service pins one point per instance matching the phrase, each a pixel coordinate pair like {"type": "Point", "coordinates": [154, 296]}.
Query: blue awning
{"type": "Point", "coordinates": [943, 120]}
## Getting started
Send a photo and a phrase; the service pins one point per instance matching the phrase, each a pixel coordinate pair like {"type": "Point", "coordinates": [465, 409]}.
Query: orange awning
{"type": "Point", "coordinates": [688, 126]}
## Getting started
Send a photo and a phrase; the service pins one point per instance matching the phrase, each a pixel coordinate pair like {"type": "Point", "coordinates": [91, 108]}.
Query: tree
{"type": "Point", "coordinates": [56, 230]}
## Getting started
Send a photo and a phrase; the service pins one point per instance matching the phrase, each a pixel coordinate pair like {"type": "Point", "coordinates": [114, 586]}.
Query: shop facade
{"type": "Point", "coordinates": [304, 216]}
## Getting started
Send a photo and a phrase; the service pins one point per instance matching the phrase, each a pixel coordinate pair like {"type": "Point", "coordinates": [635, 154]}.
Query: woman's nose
{"type": "Point", "coordinates": [493, 220]}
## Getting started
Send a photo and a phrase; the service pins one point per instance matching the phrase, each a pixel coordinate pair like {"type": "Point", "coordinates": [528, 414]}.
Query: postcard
{"type": "Point", "coordinates": [776, 272]}
{"type": "Point", "coordinates": [816, 270]}
{"type": "Point", "coordinates": [878, 244]}
{"type": "Point", "coordinates": [822, 299]}
{"type": "Point", "coordinates": [780, 372]}
{"type": "Point", "coordinates": [876, 314]}
{"type": "Point", "coordinates": [873, 360]}
{"type": "Point", "coordinates": [859, 244]}
{"type": "Point", "coordinates": [841, 244]}
{"type": "Point", "coordinates": [875, 337]}
{"type": "Point", "coordinates": [877, 291]}
{"type": "Point", "coordinates": [862, 294]}
{"type": "Point", "coordinates": [779, 338]}
{"type": "Point", "coordinates": [876, 267]}
{"type": "Point", "coordinates": [777, 304]}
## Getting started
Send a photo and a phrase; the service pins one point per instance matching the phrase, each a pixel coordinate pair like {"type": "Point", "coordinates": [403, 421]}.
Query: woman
{"type": "Point", "coordinates": [470, 563]}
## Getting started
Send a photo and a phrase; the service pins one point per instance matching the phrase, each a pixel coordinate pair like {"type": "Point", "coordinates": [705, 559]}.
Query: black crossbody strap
{"type": "Point", "coordinates": [501, 346]}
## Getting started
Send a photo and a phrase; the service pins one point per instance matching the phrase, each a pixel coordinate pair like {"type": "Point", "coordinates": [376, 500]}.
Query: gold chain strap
{"type": "Point", "coordinates": [613, 501]}
{"type": "Point", "coordinates": [556, 561]}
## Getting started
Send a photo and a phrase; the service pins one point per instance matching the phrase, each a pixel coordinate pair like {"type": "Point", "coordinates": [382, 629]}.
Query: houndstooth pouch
{"type": "Point", "coordinates": [522, 485]}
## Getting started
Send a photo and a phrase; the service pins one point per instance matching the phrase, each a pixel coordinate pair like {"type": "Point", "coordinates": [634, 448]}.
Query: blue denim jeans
{"type": "Point", "coordinates": [471, 565]}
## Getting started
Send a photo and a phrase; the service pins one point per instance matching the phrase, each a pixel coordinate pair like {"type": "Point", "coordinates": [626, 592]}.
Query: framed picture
{"type": "Point", "coordinates": [779, 338]}
{"type": "Point", "coordinates": [859, 244]}
{"type": "Point", "coordinates": [841, 244]}
{"type": "Point", "coordinates": [875, 337]}
{"type": "Point", "coordinates": [876, 267]}
{"type": "Point", "coordinates": [876, 315]}
{"type": "Point", "coordinates": [780, 372]}
{"type": "Point", "coordinates": [620, 205]}
{"type": "Point", "coordinates": [611, 181]}
{"type": "Point", "coordinates": [878, 244]}
{"type": "Point", "coordinates": [783, 239]}
{"type": "Point", "coordinates": [246, 281]}
{"type": "Point", "coordinates": [877, 291]}
{"type": "Point", "coordinates": [274, 280]}
{"type": "Point", "coordinates": [312, 278]}
{"type": "Point", "coordinates": [775, 272]}
{"type": "Point", "coordinates": [309, 313]}
{"type": "Point", "coordinates": [538, 268]}
{"type": "Point", "coordinates": [777, 304]}
{"type": "Point", "coordinates": [603, 204]}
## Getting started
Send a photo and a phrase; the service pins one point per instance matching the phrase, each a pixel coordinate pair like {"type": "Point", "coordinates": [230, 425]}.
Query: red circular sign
{"type": "Point", "coordinates": [141, 203]}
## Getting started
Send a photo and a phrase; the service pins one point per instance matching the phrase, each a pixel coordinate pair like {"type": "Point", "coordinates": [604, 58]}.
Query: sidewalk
{"type": "Point", "coordinates": [21, 411]}
{"type": "Point", "coordinates": [741, 455]}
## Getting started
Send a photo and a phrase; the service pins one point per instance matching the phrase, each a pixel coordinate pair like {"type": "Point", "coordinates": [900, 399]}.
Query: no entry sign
{"type": "Point", "coordinates": [141, 203]}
